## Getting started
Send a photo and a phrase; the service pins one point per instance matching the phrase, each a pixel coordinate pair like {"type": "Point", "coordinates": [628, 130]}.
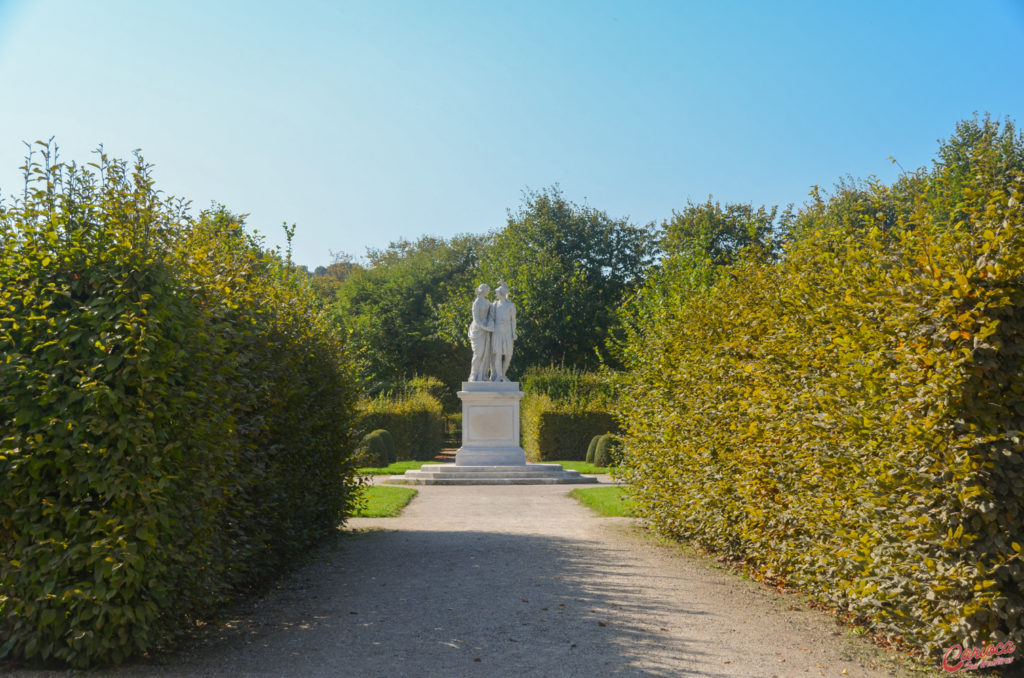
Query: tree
{"type": "Point", "coordinates": [388, 307]}
{"type": "Point", "coordinates": [326, 280]}
{"type": "Point", "coordinates": [720, 233]}
{"type": "Point", "coordinates": [569, 268]}
{"type": "Point", "coordinates": [961, 152]}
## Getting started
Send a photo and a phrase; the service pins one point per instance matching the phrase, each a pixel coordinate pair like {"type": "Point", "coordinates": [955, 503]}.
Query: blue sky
{"type": "Point", "coordinates": [366, 122]}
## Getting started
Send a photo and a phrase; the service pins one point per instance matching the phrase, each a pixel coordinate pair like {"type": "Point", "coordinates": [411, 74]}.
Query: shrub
{"type": "Point", "coordinates": [605, 451]}
{"type": "Point", "coordinates": [174, 415]}
{"type": "Point", "coordinates": [378, 448]}
{"type": "Point", "coordinates": [452, 429]}
{"type": "Point", "coordinates": [432, 386]}
{"type": "Point", "coordinates": [415, 422]}
{"type": "Point", "coordinates": [592, 448]}
{"type": "Point", "coordinates": [848, 419]}
{"type": "Point", "coordinates": [569, 386]}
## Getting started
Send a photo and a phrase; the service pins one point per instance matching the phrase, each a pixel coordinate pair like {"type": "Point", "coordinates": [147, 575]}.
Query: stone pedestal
{"type": "Point", "coordinates": [490, 424]}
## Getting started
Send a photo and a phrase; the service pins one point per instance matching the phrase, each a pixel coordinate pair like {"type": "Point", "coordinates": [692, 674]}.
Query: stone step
{"type": "Point", "coordinates": [480, 476]}
{"type": "Point", "coordinates": [527, 474]}
{"type": "Point", "coordinates": [520, 468]}
{"type": "Point", "coordinates": [442, 480]}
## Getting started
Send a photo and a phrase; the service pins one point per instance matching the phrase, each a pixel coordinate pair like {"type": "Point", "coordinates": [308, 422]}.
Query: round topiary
{"type": "Point", "coordinates": [378, 448]}
{"type": "Point", "coordinates": [607, 446]}
{"type": "Point", "coordinates": [592, 448]}
{"type": "Point", "coordinates": [389, 444]}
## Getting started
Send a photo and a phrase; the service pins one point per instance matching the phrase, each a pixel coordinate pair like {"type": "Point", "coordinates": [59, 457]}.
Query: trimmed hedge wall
{"type": "Point", "coordinates": [850, 419]}
{"type": "Point", "coordinates": [415, 422]}
{"type": "Point", "coordinates": [175, 416]}
{"type": "Point", "coordinates": [551, 431]}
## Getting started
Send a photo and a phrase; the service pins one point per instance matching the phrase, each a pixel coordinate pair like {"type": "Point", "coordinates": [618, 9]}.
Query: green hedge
{"type": "Point", "coordinates": [849, 419]}
{"type": "Point", "coordinates": [562, 411]}
{"type": "Point", "coordinates": [552, 431]}
{"type": "Point", "coordinates": [175, 416]}
{"type": "Point", "coordinates": [416, 423]}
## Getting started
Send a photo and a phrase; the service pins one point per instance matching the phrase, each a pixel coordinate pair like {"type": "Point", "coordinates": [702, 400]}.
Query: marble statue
{"type": "Point", "coordinates": [492, 334]}
{"type": "Point", "coordinates": [480, 331]}
{"type": "Point", "coordinates": [503, 315]}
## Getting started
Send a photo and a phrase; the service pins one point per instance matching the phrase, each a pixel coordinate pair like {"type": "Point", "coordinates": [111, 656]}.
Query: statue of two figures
{"type": "Point", "coordinates": [491, 334]}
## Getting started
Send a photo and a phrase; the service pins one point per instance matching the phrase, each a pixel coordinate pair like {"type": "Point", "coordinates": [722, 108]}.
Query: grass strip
{"type": "Point", "coordinates": [395, 469]}
{"type": "Point", "coordinates": [581, 466]}
{"type": "Point", "coordinates": [606, 501]}
{"type": "Point", "coordinates": [379, 501]}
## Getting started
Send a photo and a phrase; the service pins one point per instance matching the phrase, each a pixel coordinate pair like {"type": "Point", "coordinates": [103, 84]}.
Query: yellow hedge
{"type": "Point", "coordinates": [848, 419]}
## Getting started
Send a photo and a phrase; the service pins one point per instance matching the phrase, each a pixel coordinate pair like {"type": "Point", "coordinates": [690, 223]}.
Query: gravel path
{"type": "Point", "coordinates": [516, 581]}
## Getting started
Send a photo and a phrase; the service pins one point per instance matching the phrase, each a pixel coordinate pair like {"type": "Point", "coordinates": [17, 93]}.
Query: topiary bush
{"type": "Point", "coordinates": [606, 450]}
{"type": "Point", "coordinates": [378, 448]}
{"type": "Point", "coordinates": [592, 448]}
{"type": "Point", "coordinates": [174, 415]}
{"type": "Point", "coordinates": [847, 418]}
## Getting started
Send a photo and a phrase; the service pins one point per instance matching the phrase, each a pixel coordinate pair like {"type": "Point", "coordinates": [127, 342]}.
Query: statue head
{"type": "Point", "coordinates": [483, 289]}
{"type": "Point", "coordinates": [502, 291]}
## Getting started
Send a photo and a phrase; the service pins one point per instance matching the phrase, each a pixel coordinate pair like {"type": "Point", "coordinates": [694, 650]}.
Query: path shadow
{"type": "Point", "coordinates": [458, 603]}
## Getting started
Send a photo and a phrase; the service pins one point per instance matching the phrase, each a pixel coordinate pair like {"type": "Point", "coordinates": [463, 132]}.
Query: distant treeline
{"type": "Point", "coordinates": [571, 268]}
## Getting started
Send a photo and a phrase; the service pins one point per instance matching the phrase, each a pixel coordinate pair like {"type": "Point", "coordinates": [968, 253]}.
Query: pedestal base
{"type": "Point", "coordinates": [512, 456]}
{"type": "Point", "coordinates": [490, 424]}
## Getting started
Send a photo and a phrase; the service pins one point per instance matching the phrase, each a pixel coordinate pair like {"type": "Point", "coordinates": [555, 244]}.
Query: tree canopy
{"type": "Point", "coordinates": [569, 267]}
{"type": "Point", "coordinates": [720, 233]}
{"type": "Point", "coordinates": [388, 308]}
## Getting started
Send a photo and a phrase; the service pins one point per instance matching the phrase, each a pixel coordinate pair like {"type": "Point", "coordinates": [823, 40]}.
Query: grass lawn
{"type": "Point", "coordinates": [607, 501]}
{"type": "Point", "coordinates": [380, 501]}
{"type": "Point", "coordinates": [581, 466]}
{"type": "Point", "coordinates": [395, 469]}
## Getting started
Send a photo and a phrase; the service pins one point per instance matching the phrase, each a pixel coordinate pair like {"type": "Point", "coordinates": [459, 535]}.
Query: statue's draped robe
{"type": "Point", "coordinates": [480, 339]}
